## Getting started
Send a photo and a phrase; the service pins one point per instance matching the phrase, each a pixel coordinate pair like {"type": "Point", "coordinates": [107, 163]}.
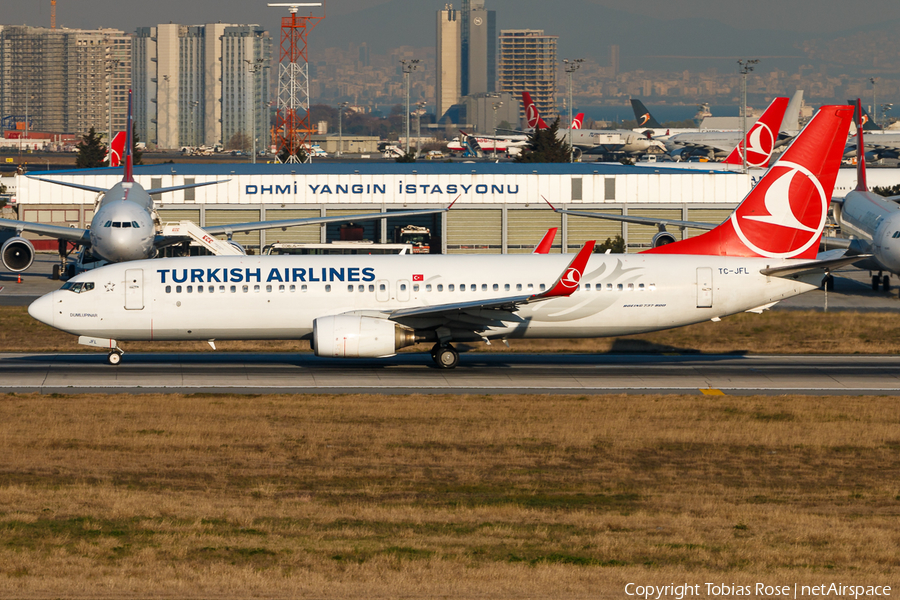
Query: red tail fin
{"type": "Point", "coordinates": [546, 242]}
{"type": "Point", "coordinates": [114, 155]}
{"type": "Point", "coordinates": [861, 185]}
{"type": "Point", "coordinates": [784, 215]}
{"type": "Point", "coordinates": [129, 143]}
{"type": "Point", "coordinates": [532, 115]}
{"type": "Point", "coordinates": [761, 138]}
{"type": "Point", "coordinates": [577, 121]}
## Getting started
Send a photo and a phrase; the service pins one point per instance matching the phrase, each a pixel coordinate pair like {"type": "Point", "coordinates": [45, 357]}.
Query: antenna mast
{"type": "Point", "coordinates": [293, 129]}
{"type": "Point", "coordinates": [52, 14]}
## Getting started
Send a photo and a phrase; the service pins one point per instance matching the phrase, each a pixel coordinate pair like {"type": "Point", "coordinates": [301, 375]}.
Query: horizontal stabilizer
{"type": "Point", "coordinates": [813, 266]}
{"type": "Point", "coordinates": [77, 186]}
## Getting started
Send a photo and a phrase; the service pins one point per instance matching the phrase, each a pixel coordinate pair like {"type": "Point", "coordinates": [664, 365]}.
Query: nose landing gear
{"type": "Point", "coordinates": [115, 357]}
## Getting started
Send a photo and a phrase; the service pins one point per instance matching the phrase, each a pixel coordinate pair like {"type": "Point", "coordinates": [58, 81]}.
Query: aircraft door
{"type": "Point", "coordinates": [134, 289]}
{"type": "Point", "coordinates": [382, 290]}
{"type": "Point", "coordinates": [704, 287]}
{"type": "Point", "coordinates": [403, 290]}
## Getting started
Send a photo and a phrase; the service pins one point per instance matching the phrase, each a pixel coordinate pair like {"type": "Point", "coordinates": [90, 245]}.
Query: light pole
{"type": "Point", "coordinates": [166, 79]}
{"type": "Point", "coordinates": [194, 104]}
{"type": "Point", "coordinates": [571, 67]}
{"type": "Point", "coordinates": [341, 108]}
{"type": "Point", "coordinates": [495, 106]}
{"type": "Point", "coordinates": [885, 108]}
{"type": "Point", "coordinates": [874, 103]}
{"type": "Point", "coordinates": [113, 64]}
{"type": "Point", "coordinates": [420, 110]}
{"type": "Point", "coordinates": [744, 68]}
{"type": "Point", "coordinates": [253, 66]}
{"type": "Point", "coordinates": [408, 67]}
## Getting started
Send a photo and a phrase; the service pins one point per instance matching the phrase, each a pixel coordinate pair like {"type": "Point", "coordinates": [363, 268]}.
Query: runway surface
{"type": "Point", "coordinates": [479, 373]}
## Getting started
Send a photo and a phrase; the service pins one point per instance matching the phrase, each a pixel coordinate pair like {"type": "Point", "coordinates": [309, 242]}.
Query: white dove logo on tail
{"type": "Point", "coordinates": [571, 278]}
{"type": "Point", "coordinates": [777, 202]}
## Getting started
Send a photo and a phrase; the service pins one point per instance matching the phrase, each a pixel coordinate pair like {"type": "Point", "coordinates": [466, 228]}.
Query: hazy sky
{"type": "Point", "coordinates": [645, 29]}
{"type": "Point", "coordinates": [810, 16]}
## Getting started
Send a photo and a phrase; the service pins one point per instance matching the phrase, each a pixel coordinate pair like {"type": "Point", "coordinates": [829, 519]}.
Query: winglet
{"type": "Point", "coordinates": [546, 242]}
{"type": "Point", "coordinates": [571, 277]}
{"type": "Point", "coordinates": [454, 202]}
{"type": "Point", "coordinates": [548, 204]}
{"type": "Point", "coordinates": [861, 184]}
{"type": "Point", "coordinates": [129, 144]}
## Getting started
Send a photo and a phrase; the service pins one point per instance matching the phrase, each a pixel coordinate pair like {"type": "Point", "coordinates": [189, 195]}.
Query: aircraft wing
{"type": "Point", "coordinates": [71, 234]}
{"type": "Point", "coordinates": [257, 225]}
{"type": "Point", "coordinates": [653, 222]}
{"type": "Point", "coordinates": [478, 314]}
{"type": "Point", "coordinates": [77, 186]}
{"type": "Point", "coordinates": [188, 186]}
{"type": "Point", "coordinates": [697, 147]}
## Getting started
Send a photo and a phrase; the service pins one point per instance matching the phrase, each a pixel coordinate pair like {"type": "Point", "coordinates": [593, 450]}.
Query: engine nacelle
{"type": "Point", "coordinates": [17, 254]}
{"type": "Point", "coordinates": [662, 238]}
{"type": "Point", "coordinates": [352, 336]}
{"type": "Point", "coordinates": [576, 154]}
{"type": "Point", "coordinates": [238, 246]}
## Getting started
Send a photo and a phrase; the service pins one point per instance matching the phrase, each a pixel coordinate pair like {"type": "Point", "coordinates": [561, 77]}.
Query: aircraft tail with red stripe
{"type": "Point", "coordinates": [761, 138]}
{"type": "Point", "coordinates": [114, 153]}
{"type": "Point", "coordinates": [861, 184]}
{"type": "Point", "coordinates": [784, 215]}
{"type": "Point", "coordinates": [577, 121]}
{"type": "Point", "coordinates": [532, 115]}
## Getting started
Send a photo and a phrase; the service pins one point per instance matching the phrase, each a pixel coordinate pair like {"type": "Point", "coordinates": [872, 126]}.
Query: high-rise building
{"type": "Point", "coordinates": [528, 64]}
{"type": "Point", "coordinates": [478, 54]}
{"type": "Point", "coordinates": [202, 85]}
{"type": "Point", "coordinates": [65, 80]}
{"type": "Point", "coordinates": [614, 59]}
{"type": "Point", "coordinates": [449, 60]}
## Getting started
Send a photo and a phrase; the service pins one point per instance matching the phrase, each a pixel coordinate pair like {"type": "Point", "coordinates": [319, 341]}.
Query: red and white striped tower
{"type": "Point", "coordinates": [293, 124]}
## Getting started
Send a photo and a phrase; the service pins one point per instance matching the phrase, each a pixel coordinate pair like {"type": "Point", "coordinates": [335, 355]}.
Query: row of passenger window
{"type": "Point", "coordinates": [382, 287]}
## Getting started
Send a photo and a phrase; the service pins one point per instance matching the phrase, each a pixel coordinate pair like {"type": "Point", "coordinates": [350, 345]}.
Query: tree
{"type": "Point", "coordinates": [285, 155]}
{"type": "Point", "coordinates": [407, 158]}
{"type": "Point", "coordinates": [137, 155]}
{"type": "Point", "coordinates": [545, 146]}
{"type": "Point", "coordinates": [91, 151]}
{"type": "Point", "coordinates": [239, 141]}
{"type": "Point", "coordinates": [616, 246]}
{"type": "Point", "coordinates": [887, 191]}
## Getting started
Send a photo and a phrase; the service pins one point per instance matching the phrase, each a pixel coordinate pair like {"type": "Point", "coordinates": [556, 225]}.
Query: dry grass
{"type": "Point", "coordinates": [442, 496]}
{"type": "Point", "coordinates": [774, 332]}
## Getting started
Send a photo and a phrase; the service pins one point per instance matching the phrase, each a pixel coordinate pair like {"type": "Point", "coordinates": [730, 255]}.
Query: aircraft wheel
{"type": "Point", "coordinates": [886, 283]}
{"type": "Point", "coordinates": [55, 275]}
{"type": "Point", "coordinates": [875, 283]}
{"type": "Point", "coordinates": [447, 357]}
{"type": "Point", "coordinates": [114, 358]}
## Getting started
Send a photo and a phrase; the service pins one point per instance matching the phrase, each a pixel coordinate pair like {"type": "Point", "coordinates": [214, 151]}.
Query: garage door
{"type": "Point", "coordinates": [526, 228]}
{"type": "Point", "coordinates": [305, 234]}
{"type": "Point", "coordinates": [474, 231]}
{"type": "Point", "coordinates": [225, 217]}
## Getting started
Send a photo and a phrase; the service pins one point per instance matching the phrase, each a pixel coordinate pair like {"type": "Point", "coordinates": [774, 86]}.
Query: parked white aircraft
{"type": "Point", "coordinates": [873, 220]}
{"type": "Point", "coordinates": [371, 306]}
{"type": "Point", "coordinates": [124, 225]}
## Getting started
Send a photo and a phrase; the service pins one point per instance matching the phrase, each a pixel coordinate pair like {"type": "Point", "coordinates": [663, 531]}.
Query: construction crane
{"type": "Point", "coordinates": [52, 14]}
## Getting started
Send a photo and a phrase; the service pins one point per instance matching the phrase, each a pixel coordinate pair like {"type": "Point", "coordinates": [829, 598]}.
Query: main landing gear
{"type": "Point", "coordinates": [884, 280]}
{"type": "Point", "coordinates": [445, 356]}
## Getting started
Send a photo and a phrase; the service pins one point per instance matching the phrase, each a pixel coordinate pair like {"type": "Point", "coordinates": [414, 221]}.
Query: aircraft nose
{"type": "Point", "coordinates": [42, 309]}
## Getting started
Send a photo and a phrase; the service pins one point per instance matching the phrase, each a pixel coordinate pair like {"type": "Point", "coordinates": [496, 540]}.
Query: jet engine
{"type": "Point", "coordinates": [17, 254]}
{"type": "Point", "coordinates": [662, 238]}
{"type": "Point", "coordinates": [353, 336]}
{"type": "Point", "coordinates": [238, 246]}
{"type": "Point", "coordinates": [576, 154]}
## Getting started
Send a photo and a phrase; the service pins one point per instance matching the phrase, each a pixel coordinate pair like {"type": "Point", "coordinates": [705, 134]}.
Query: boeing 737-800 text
{"type": "Point", "coordinates": [371, 306]}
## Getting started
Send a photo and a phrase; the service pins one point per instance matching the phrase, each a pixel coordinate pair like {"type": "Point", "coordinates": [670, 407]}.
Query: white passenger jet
{"type": "Point", "coordinates": [874, 222]}
{"type": "Point", "coordinates": [125, 225]}
{"type": "Point", "coordinates": [372, 306]}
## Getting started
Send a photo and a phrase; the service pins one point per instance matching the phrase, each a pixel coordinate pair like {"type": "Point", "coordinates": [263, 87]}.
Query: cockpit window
{"type": "Point", "coordinates": [117, 224]}
{"type": "Point", "coordinates": [135, 224]}
{"type": "Point", "coordinates": [126, 224]}
{"type": "Point", "coordinates": [78, 287]}
{"type": "Point", "coordinates": [108, 224]}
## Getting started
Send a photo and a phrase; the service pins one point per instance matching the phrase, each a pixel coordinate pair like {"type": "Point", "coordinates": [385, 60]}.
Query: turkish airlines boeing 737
{"type": "Point", "coordinates": [371, 306]}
